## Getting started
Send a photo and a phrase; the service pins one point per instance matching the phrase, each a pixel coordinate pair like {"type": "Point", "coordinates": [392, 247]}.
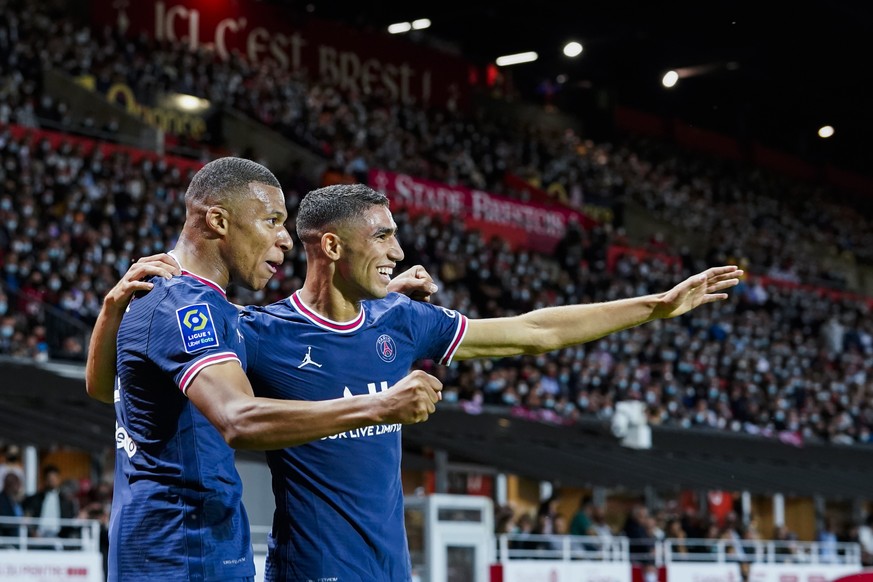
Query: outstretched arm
{"type": "Point", "coordinates": [100, 367]}
{"type": "Point", "coordinates": [554, 328]}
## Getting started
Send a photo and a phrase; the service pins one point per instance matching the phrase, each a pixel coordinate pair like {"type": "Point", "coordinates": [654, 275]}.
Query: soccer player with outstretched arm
{"type": "Point", "coordinates": [339, 513]}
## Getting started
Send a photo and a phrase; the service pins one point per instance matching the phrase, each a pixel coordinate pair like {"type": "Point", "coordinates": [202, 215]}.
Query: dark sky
{"type": "Point", "coordinates": [776, 70]}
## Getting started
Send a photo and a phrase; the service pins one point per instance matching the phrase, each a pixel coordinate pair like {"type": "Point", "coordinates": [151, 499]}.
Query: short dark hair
{"type": "Point", "coordinates": [226, 179]}
{"type": "Point", "coordinates": [332, 205]}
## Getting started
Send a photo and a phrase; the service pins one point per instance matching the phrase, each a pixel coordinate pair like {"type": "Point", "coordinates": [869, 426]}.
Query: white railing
{"type": "Point", "coordinates": [85, 535]}
{"type": "Point", "coordinates": [667, 551]}
{"type": "Point", "coordinates": [760, 551]}
{"type": "Point", "coordinates": [561, 547]}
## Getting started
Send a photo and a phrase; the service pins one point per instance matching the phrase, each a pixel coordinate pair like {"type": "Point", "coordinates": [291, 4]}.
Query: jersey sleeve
{"type": "Point", "coordinates": [186, 336]}
{"type": "Point", "coordinates": [249, 319]}
{"type": "Point", "coordinates": [438, 331]}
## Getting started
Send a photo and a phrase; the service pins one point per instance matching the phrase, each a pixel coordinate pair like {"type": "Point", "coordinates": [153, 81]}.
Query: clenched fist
{"type": "Point", "coordinates": [412, 399]}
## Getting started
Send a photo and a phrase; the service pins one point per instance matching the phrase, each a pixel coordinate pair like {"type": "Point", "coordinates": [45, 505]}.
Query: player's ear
{"type": "Point", "coordinates": [217, 219]}
{"type": "Point", "coordinates": [331, 245]}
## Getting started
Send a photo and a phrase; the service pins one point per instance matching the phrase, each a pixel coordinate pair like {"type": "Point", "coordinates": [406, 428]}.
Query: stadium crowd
{"type": "Point", "coordinates": [776, 358]}
{"type": "Point", "coordinates": [779, 358]}
{"type": "Point", "coordinates": [748, 215]}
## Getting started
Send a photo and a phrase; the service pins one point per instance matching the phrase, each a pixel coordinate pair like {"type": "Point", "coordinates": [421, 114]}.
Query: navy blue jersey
{"type": "Point", "coordinates": [177, 510]}
{"type": "Point", "coordinates": [339, 501]}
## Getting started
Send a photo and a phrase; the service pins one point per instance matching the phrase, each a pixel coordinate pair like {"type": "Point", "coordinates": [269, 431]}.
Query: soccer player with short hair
{"type": "Point", "coordinates": [339, 513]}
{"type": "Point", "coordinates": [181, 394]}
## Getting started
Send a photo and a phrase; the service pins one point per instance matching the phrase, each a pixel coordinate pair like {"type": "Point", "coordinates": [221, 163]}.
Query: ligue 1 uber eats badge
{"type": "Point", "coordinates": [195, 324]}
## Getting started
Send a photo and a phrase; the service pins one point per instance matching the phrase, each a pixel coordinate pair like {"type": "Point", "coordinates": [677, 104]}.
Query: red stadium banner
{"type": "Point", "coordinates": [522, 225]}
{"type": "Point", "coordinates": [87, 145]}
{"type": "Point", "coordinates": [331, 52]}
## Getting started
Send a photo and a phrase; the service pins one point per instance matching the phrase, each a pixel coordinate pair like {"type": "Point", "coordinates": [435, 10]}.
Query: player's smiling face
{"type": "Point", "coordinates": [257, 237]}
{"type": "Point", "coordinates": [370, 253]}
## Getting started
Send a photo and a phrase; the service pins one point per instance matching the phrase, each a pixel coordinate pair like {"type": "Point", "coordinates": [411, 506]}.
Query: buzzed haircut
{"type": "Point", "coordinates": [334, 205]}
{"type": "Point", "coordinates": [226, 179]}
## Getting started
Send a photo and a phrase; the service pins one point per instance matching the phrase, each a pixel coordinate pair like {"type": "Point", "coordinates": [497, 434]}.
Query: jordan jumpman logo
{"type": "Point", "coordinates": [307, 359]}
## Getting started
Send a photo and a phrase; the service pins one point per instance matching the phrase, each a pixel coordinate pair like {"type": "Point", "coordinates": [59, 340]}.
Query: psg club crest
{"type": "Point", "coordinates": [386, 348]}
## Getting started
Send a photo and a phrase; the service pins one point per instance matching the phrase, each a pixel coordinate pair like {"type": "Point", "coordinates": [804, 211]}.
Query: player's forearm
{"type": "Point", "coordinates": [553, 328]}
{"type": "Point", "coordinates": [268, 424]}
{"type": "Point", "coordinates": [102, 350]}
{"type": "Point", "coordinates": [560, 327]}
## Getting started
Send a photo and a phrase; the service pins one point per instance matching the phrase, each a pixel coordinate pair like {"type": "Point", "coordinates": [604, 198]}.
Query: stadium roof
{"type": "Point", "coordinates": [775, 72]}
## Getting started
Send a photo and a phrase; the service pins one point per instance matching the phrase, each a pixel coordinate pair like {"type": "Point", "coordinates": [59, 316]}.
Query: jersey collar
{"type": "Point", "coordinates": [203, 280]}
{"type": "Point", "coordinates": [323, 322]}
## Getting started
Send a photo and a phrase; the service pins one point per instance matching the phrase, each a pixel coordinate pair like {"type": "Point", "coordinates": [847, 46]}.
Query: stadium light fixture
{"type": "Point", "coordinates": [826, 131]}
{"type": "Point", "coordinates": [572, 49]}
{"type": "Point", "coordinates": [189, 103]}
{"type": "Point", "coordinates": [670, 79]}
{"type": "Point", "coordinates": [399, 27]}
{"type": "Point", "coordinates": [516, 59]}
{"type": "Point", "coordinates": [673, 76]}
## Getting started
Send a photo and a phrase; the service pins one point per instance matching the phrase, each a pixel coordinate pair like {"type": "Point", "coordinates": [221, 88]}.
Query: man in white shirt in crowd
{"type": "Point", "coordinates": [50, 505]}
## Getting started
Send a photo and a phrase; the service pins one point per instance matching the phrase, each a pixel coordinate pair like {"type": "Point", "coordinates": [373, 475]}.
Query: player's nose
{"type": "Point", "coordinates": [285, 242]}
{"type": "Point", "coordinates": [395, 253]}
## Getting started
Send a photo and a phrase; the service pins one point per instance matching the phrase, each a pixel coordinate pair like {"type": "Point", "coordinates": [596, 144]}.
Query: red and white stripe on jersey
{"type": "Point", "coordinates": [323, 322]}
{"type": "Point", "coordinates": [202, 363]}
{"type": "Point", "coordinates": [205, 281]}
{"type": "Point", "coordinates": [456, 341]}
